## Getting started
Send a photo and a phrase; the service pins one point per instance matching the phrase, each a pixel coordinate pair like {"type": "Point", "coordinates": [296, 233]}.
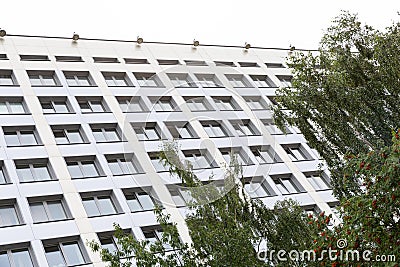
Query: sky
{"type": "Point", "coordinates": [266, 23]}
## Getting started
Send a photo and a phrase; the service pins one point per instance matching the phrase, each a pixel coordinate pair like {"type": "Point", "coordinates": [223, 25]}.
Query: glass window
{"type": "Point", "coordinates": [197, 159]}
{"type": "Point", "coordinates": [91, 105]}
{"type": "Point", "coordinates": [105, 134]}
{"type": "Point", "coordinates": [7, 78]}
{"type": "Point", "coordinates": [147, 132]}
{"type": "Point", "coordinates": [82, 168]}
{"type": "Point", "coordinates": [256, 188]}
{"type": "Point", "coordinates": [286, 186]}
{"type": "Point", "coordinates": [157, 164]}
{"type": "Point", "coordinates": [139, 201]}
{"type": "Point", "coordinates": [46, 211]}
{"type": "Point", "coordinates": [116, 78]}
{"type": "Point", "coordinates": [264, 154]}
{"type": "Point", "coordinates": [99, 205]}
{"type": "Point", "coordinates": [79, 78]}
{"type": "Point", "coordinates": [180, 80]}
{"type": "Point", "coordinates": [120, 165]}
{"type": "Point", "coordinates": [11, 106]}
{"type": "Point", "coordinates": [64, 254]}
{"type": "Point", "coordinates": [243, 128]}
{"type": "Point", "coordinates": [147, 79]}
{"type": "Point", "coordinates": [43, 78]}
{"type": "Point", "coordinates": [237, 80]}
{"type": "Point", "coordinates": [21, 258]}
{"type": "Point", "coordinates": [225, 103]}
{"type": "Point", "coordinates": [54, 105]}
{"type": "Point", "coordinates": [20, 137]}
{"type": "Point", "coordinates": [317, 182]}
{"type": "Point", "coordinates": [131, 104]}
{"type": "Point", "coordinates": [295, 152]}
{"type": "Point", "coordinates": [255, 103]}
{"type": "Point", "coordinates": [3, 179]}
{"type": "Point", "coordinates": [32, 172]}
{"type": "Point", "coordinates": [262, 81]}
{"type": "Point", "coordinates": [196, 103]}
{"type": "Point", "coordinates": [8, 215]}
{"type": "Point", "coordinates": [163, 104]}
{"type": "Point", "coordinates": [208, 80]}
{"type": "Point", "coordinates": [214, 129]}
{"type": "Point", "coordinates": [180, 131]}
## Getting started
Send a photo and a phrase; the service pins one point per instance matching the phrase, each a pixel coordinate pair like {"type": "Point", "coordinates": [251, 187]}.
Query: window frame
{"type": "Point", "coordinates": [41, 74]}
{"type": "Point", "coordinates": [75, 75]}
{"type": "Point", "coordinates": [8, 75]}
{"type": "Point", "coordinates": [70, 161]}
{"type": "Point", "coordinates": [32, 164]}
{"type": "Point", "coordinates": [18, 133]}
{"type": "Point", "coordinates": [44, 202]}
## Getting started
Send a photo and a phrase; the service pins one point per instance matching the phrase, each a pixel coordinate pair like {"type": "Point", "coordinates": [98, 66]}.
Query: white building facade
{"type": "Point", "coordinates": [82, 123]}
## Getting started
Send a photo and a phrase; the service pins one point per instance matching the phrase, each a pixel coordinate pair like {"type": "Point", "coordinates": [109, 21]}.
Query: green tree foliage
{"type": "Point", "coordinates": [345, 97]}
{"type": "Point", "coordinates": [227, 228]}
{"type": "Point", "coordinates": [370, 220]}
{"type": "Point", "coordinates": [345, 100]}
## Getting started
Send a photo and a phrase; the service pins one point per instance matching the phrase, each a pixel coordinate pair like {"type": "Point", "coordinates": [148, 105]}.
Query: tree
{"type": "Point", "coordinates": [370, 220]}
{"type": "Point", "coordinates": [345, 96]}
{"type": "Point", "coordinates": [345, 101]}
{"type": "Point", "coordinates": [226, 228]}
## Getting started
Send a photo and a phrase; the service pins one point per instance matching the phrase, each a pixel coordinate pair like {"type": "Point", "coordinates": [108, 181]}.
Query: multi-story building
{"type": "Point", "coordinates": [82, 122]}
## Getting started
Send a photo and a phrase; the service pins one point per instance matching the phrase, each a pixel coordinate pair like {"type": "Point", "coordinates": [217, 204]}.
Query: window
{"type": "Point", "coordinates": [139, 200]}
{"type": "Point", "coordinates": [248, 64]}
{"type": "Point", "coordinates": [8, 213]}
{"type": "Point", "coordinates": [180, 80]}
{"type": "Point", "coordinates": [55, 105]}
{"type": "Point", "coordinates": [121, 164]}
{"type": "Point", "coordinates": [109, 242]}
{"type": "Point", "coordinates": [91, 104]}
{"type": "Point", "coordinates": [3, 57]}
{"type": "Point", "coordinates": [146, 79]}
{"type": "Point", "coordinates": [272, 100]}
{"type": "Point", "coordinates": [12, 105]}
{"type": "Point", "coordinates": [131, 104]}
{"type": "Point", "coordinates": [64, 253]}
{"type": "Point", "coordinates": [208, 80]}
{"type": "Point", "coordinates": [181, 130]}
{"type": "Point", "coordinates": [43, 78]}
{"type": "Point", "coordinates": [255, 103]}
{"type": "Point", "coordinates": [262, 81]}
{"type": "Point", "coordinates": [157, 164]}
{"type": "Point", "coordinates": [68, 134]}
{"type": "Point", "coordinates": [273, 129]}
{"type": "Point", "coordinates": [285, 184]}
{"type": "Point", "coordinates": [197, 103]}
{"type": "Point", "coordinates": [78, 78]}
{"type": "Point", "coordinates": [106, 132]}
{"type": "Point", "coordinates": [164, 103]}
{"type": "Point", "coordinates": [20, 136]}
{"type": "Point", "coordinates": [82, 167]}
{"type": "Point", "coordinates": [286, 80]}
{"type": "Point", "coordinates": [69, 59]}
{"type": "Point", "coordinates": [296, 152]}
{"type": "Point", "coordinates": [244, 128]}
{"type": "Point", "coordinates": [180, 196]}
{"type": "Point", "coordinates": [225, 103]}
{"type": "Point", "coordinates": [105, 60]}
{"type": "Point", "coordinates": [99, 204]}
{"type": "Point", "coordinates": [148, 131]}
{"type": "Point", "coordinates": [317, 180]}
{"type": "Point", "coordinates": [116, 79]}
{"type": "Point", "coordinates": [198, 159]}
{"type": "Point", "coordinates": [155, 234]}
{"type": "Point", "coordinates": [34, 58]}
{"type": "Point", "coordinates": [241, 158]}
{"type": "Point", "coordinates": [33, 170]}
{"type": "Point", "coordinates": [48, 209]}
{"type": "Point", "coordinates": [237, 80]}
{"type": "Point", "coordinates": [274, 65]}
{"type": "Point", "coordinates": [195, 63]}
{"type": "Point", "coordinates": [264, 154]}
{"type": "Point", "coordinates": [20, 257]}
{"type": "Point", "coordinates": [136, 61]}
{"type": "Point", "coordinates": [225, 63]}
{"type": "Point", "coordinates": [257, 187]}
{"type": "Point", "coordinates": [214, 129]}
{"type": "Point", "coordinates": [7, 78]}
{"type": "Point", "coordinates": [3, 174]}
{"type": "Point", "coordinates": [168, 62]}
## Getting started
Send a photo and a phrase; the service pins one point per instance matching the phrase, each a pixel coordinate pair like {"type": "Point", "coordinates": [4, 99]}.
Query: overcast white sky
{"type": "Point", "coordinates": [268, 23]}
